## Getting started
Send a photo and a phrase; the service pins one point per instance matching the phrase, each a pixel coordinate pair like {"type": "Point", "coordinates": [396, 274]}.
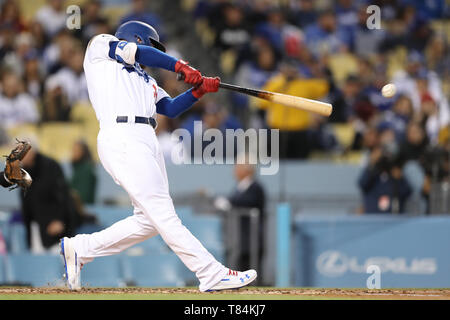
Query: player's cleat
{"type": "Point", "coordinates": [72, 266]}
{"type": "Point", "coordinates": [235, 280]}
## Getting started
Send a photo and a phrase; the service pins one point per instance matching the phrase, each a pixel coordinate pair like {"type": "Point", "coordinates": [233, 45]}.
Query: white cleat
{"type": "Point", "coordinates": [235, 280]}
{"type": "Point", "coordinates": [72, 266]}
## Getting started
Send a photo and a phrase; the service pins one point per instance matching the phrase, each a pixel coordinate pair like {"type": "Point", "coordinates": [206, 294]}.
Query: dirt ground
{"type": "Point", "coordinates": [258, 293]}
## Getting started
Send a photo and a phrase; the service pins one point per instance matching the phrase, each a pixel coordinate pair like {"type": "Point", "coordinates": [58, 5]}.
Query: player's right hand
{"type": "Point", "coordinates": [208, 85]}
{"type": "Point", "coordinates": [191, 75]}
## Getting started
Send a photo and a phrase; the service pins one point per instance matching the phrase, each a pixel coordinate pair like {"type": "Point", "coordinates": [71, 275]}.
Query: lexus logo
{"type": "Point", "coordinates": [334, 263]}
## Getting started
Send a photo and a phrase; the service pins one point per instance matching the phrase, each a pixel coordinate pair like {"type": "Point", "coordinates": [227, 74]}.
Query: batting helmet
{"type": "Point", "coordinates": [132, 31]}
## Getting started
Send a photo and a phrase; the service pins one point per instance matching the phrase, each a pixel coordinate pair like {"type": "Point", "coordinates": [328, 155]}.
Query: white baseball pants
{"type": "Point", "coordinates": [131, 154]}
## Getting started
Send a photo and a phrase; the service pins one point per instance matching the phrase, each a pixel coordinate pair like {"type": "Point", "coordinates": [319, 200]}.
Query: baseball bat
{"type": "Point", "coordinates": [315, 106]}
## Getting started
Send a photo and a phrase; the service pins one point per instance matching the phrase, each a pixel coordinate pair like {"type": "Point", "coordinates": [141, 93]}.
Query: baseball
{"type": "Point", "coordinates": [388, 91]}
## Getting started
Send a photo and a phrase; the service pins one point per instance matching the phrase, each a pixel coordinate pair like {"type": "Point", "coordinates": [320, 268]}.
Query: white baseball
{"type": "Point", "coordinates": [388, 91]}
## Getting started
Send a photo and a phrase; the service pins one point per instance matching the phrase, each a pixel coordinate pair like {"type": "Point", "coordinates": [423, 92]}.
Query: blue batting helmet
{"type": "Point", "coordinates": [139, 33]}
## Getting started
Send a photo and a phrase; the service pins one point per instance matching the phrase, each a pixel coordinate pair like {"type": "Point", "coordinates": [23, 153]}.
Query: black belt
{"type": "Point", "coordinates": [151, 121]}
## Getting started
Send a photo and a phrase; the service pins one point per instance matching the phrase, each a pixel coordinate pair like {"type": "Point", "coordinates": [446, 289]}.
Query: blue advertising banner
{"type": "Point", "coordinates": [409, 252]}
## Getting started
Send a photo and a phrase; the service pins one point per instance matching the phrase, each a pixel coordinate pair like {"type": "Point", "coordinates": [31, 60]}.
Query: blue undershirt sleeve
{"type": "Point", "coordinates": [173, 107]}
{"type": "Point", "coordinates": [148, 56]}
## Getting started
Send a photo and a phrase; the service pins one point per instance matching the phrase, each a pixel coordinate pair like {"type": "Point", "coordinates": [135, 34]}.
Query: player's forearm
{"type": "Point", "coordinates": [147, 56]}
{"type": "Point", "coordinates": [173, 107]}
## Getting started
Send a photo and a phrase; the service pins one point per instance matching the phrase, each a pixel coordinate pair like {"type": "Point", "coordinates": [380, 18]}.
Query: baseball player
{"type": "Point", "coordinates": [125, 99]}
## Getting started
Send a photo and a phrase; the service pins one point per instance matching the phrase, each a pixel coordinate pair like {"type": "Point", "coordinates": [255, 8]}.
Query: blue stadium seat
{"type": "Point", "coordinates": [108, 215]}
{"type": "Point", "coordinates": [207, 229]}
{"type": "Point", "coordinates": [17, 239]}
{"type": "Point", "coordinates": [154, 270]}
{"type": "Point", "coordinates": [36, 270]}
{"type": "Point", "coordinates": [153, 245]}
{"type": "Point", "coordinates": [102, 272]}
{"type": "Point", "coordinates": [2, 270]}
{"type": "Point", "coordinates": [184, 212]}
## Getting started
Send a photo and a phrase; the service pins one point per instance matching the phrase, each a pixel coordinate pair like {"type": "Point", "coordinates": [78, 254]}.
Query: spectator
{"type": "Point", "coordinates": [52, 17]}
{"type": "Point", "coordinates": [248, 194]}
{"type": "Point", "coordinates": [34, 76]}
{"type": "Point", "coordinates": [213, 116]}
{"type": "Point", "coordinates": [10, 16]}
{"type": "Point", "coordinates": [16, 107]}
{"type": "Point", "coordinates": [139, 12]}
{"type": "Point", "coordinates": [40, 39]}
{"type": "Point", "coordinates": [436, 165]}
{"type": "Point", "coordinates": [365, 41]}
{"type": "Point", "coordinates": [7, 39]}
{"type": "Point", "coordinates": [415, 82]}
{"type": "Point", "coordinates": [384, 188]}
{"type": "Point", "coordinates": [326, 36]}
{"type": "Point", "coordinates": [254, 74]}
{"type": "Point", "coordinates": [415, 143]}
{"type": "Point", "coordinates": [93, 20]}
{"type": "Point", "coordinates": [23, 48]}
{"type": "Point", "coordinates": [399, 117]}
{"type": "Point", "coordinates": [65, 88]}
{"type": "Point", "coordinates": [84, 178]}
{"type": "Point", "coordinates": [231, 30]}
{"type": "Point", "coordinates": [351, 102]}
{"type": "Point", "coordinates": [437, 56]}
{"type": "Point", "coordinates": [49, 211]}
{"type": "Point", "coordinates": [292, 123]}
{"type": "Point", "coordinates": [304, 13]}
{"type": "Point", "coordinates": [280, 34]}
{"type": "Point", "coordinates": [346, 13]}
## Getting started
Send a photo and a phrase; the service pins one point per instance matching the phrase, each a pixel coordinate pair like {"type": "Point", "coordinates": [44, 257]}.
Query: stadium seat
{"type": "Point", "coordinates": [34, 270]}
{"type": "Point", "coordinates": [207, 229]}
{"type": "Point", "coordinates": [58, 138]}
{"type": "Point", "coordinates": [108, 215]}
{"type": "Point", "coordinates": [344, 134]}
{"type": "Point", "coordinates": [23, 131]}
{"type": "Point", "coordinates": [2, 270]}
{"type": "Point", "coordinates": [342, 65]}
{"type": "Point", "coordinates": [17, 239]}
{"type": "Point", "coordinates": [150, 246]}
{"type": "Point", "coordinates": [154, 270]}
{"type": "Point", "coordinates": [102, 272]}
{"type": "Point", "coordinates": [29, 8]}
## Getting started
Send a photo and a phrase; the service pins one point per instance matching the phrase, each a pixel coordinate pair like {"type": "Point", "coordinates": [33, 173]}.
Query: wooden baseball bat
{"type": "Point", "coordinates": [315, 106]}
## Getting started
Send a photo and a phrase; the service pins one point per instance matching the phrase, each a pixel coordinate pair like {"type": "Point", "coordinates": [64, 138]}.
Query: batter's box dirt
{"type": "Point", "coordinates": [243, 293]}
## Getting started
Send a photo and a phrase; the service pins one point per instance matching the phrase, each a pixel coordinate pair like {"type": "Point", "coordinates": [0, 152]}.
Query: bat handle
{"type": "Point", "coordinates": [180, 76]}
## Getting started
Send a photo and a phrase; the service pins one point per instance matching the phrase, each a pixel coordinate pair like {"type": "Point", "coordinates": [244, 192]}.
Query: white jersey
{"type": "Point", "coordinates": [115, 90]}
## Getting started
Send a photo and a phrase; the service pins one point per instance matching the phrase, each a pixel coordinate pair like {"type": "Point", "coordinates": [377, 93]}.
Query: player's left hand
{"type": "Point", "coordinates": [208, 85]}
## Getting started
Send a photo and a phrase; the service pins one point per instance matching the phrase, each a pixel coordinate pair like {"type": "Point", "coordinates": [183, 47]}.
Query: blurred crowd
{"type": "Point", "coordinates": [328, 50]}
{"type": "Point", "coordinates": [322, 50]}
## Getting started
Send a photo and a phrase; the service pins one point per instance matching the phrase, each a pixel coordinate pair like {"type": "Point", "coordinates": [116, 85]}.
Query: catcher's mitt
{"type": "Point", "coordinates": [13, 172]}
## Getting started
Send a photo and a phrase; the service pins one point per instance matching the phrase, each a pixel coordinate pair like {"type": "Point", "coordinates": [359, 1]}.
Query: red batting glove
{"type": "Point", "coordinates": [208, 85]}
{"type": "Point", "coordinates": [191, 75]}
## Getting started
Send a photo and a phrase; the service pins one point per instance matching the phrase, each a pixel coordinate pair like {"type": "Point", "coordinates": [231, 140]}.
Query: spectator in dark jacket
{"type": "Point", "coordinates": [248, 194]}
{"type": "Point", "coordinates": [384, 188]}
{"type": "Point", "coordinates": [48, 209]}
